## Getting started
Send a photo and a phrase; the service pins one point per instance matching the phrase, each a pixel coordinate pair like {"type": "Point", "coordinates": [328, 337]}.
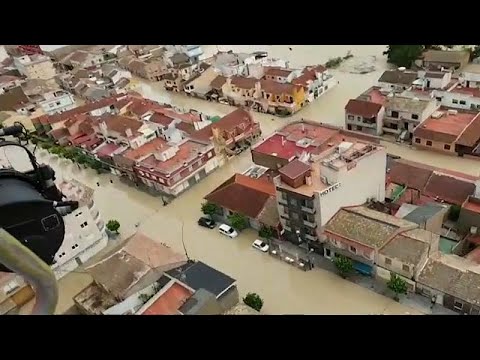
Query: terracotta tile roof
{"type": "Point", "coordinates": [12, 98]}
{"type": "Point", "coordinates": [294, 169]}
{"type": "Point", "coordinates": [363, 108]}
{"type": "Point", "coordinates": [273, 87]}
{"type": "Point", "coordinates": [414, 177]}
{"type": "Point", "coordinates": [243, 194]}
{"type": "Point", "coordinates": [218, 82]}
{"type": "Point", "coordinates": [161, 119]}
{"type": "Point", "coordinates": [449, 188]}
{"type": "Point", "coordinates": [471, 135]}
{"type": "Point", "coordinates": [151, 252]}
{"type": "Point", "coordinates": [446, 56]}
{"type": "Point", "coordinates": [406, 249]}
{"type": "Point", "coordinates": [244, 82]}
{"type": "Point", "coordinates": [58, 134]}
{"type": "Point", "coordinates": [121, 124]}
{"type": "Point", "coordinates": [277, 71]}
{"type": "Point", "coordinates": [185, 127]}
{"type": "Point", "coordinates": [170, 301]}
{"type": "Point", "coordinates": [106, 150]}
{"type": "Point", "coordinates": [145, 150]}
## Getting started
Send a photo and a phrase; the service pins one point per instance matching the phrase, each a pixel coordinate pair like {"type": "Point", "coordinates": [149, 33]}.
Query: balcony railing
{"type": "Point", "coordinates": [311, 237]}
{"type": "Point", "coordinates": [308, 210]}
{"type": "Point", "coordinates": [310, 224]}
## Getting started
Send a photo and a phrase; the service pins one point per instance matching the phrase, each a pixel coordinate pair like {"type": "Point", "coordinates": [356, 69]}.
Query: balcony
{"type": "Point", "coordinates": [282, 201]}
{"type": "Point", "coordinates": [311, 237]}
{"type": "Point", "coordinates": [308, 210]}
{"type": "Point", "coordinates": [309, 224]}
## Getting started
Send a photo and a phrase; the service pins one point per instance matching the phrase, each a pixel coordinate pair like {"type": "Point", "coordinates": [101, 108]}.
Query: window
{"type": "Point", "coordinates": [446, 147]}
{"type": "Point", "coordinates": [83, 225]}
{"type": "Point", "coordinates": [351, 117]}
{"type": "Point", "coordinates": [353, 250]}
{"type": "Point", "coordinates": [463, 102]}
{"type": "Point", "coordinates": [395, 114]}
{"type": "Point", "coordinates": [429, 143]}
{"type": "Point", "coordinates": [80, 213]}
{"type": "Point", "coordinates": [51, 105]}
{"type": "Point", "coordinates": [405, 268]}
{"type": "Point", "coordinates": [349, 127]}
{"type": "Point", "coordinates": [438, 98]}
{"type": "Point", "coordinates": [293, 202]}
{"type": "Point", "coordinates": [417, 140]}
{"type": "Point", "coordinates": [328, 253]}
{"type": "Point", "coordinates": [58, 103]}
{"type": "Point", "coordinates": [284, 195]}
{"type": "Point", "coordinates": [457, 305]}
{"type": "Point", "coordinates": [209, 155]}
{"type": "Point", "coordinates": [359, 118]}
{"type": "Point", "coordinates": [388, 261]}
{"type": "Point", "coordinates": [359, 128]}
{"type": "Point", "coordinates": [414, 116]}
{"type": "Point", "coordinates": [454, 101]}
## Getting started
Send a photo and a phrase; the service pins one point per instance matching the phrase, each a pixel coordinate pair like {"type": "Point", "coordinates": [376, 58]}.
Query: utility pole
{"type": "Point", "coordinates": [183, 243]}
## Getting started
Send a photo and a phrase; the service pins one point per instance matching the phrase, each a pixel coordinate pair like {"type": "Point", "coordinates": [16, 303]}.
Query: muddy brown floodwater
{"type": "Point", "coordinates": [285, 289]}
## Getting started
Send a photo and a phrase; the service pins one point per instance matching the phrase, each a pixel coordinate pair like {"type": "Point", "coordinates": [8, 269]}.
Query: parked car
{"type": "Point", "coordinates": [260, 245]}
{"type": "Point", "coordinates": [206, 222]}
{"type": "Point", "coordinates": [227, 230]}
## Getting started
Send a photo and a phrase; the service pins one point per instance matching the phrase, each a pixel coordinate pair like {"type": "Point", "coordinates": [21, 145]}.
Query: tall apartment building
{"type": "Point", "coordinates": [313, 186]}
{"type": "Point", "coordinates": [85, 233]}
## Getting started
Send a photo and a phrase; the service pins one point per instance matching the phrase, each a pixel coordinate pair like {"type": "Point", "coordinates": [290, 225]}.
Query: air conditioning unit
{"type": "Point", "coordinates": [473, 230]}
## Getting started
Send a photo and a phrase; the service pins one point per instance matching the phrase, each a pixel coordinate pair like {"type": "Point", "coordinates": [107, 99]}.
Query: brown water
{"type": "Point", "coordinates": [286, 290]}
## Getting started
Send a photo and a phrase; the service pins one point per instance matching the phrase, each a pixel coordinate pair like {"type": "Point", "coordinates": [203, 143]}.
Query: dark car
{"type": "Point", "coordinates": [206, 222]}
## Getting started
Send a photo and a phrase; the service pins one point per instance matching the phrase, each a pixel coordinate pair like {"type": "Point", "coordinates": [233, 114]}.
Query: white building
{"type": "Point", "coordinates": [57, 102]}
{"type": "Point", "coordinates": [460, 98]}
{"type": "Point", "coordinates": [85, 233]}
{"type": "Point", "coordinates": [470, 76]}
{"type": "Point", "coordinates": [35, 66]}
{"type": "Point", "coordinates": [310, 191]}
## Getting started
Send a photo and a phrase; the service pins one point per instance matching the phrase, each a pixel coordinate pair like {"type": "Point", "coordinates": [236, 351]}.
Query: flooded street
{"type": "Point", "coordinates": [285, 289]}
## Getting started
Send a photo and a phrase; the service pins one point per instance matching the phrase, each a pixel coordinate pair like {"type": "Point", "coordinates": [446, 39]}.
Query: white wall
{"type": "Point", "coordinates": [366, 180]}
{"type": "Point", "coordinates": [448, 99]}
{"type": "Point", "coordinates": [58, 104]}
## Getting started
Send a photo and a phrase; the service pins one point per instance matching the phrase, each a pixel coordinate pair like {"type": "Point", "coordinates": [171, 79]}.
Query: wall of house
{"type": "Point", "coordinates": [429, 292]}
{"type": "Point", "coordinates": [268, 161]}
{"type": "Point", "coordinates": [460, 306]}
{"type": "Point", "coordinates": [131, 303]}
{"type": "Point", "coordinates": [58, 104]}
{"type": "Point", "coordinates": [467, 219]}
{"type": "Point", "coordinates": [229, 299]}
{"type": "Point", "coordinates": [435, 223]}
{"type": "Point", "coordinates": [366, 180]}
{"type": "Point", "coordinates": [382, 274]}
{"type": "Point", "coordinates": [396, 265]}
{"type": "Point", "coordinates": [458, 101]}
{"type": "Point", "coordinates": [448, 148]}
{"type": "Point", "coordinates": [395, 87]}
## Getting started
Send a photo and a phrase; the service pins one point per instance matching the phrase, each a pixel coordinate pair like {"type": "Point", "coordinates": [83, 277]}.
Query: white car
{"type": "Point", "coordinates": [260, 245]}
{"type": "Point", "coordinates": [227, 230]}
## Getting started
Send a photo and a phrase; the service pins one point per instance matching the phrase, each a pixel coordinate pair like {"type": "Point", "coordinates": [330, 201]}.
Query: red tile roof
{"type": "Point", "coordinates": [295, 169]}
{"type": "Point", "coordinates": [274, 87]}
{"type": "Point", "coordinates": [475, 92]}
{"type": "Point", "coordinates": [227, 123]}
{"type": "Point", "coordinates": [474, 255]}
{"type": "Point", "coordinates": [243, 194]}
{"type": "Point", "coordinates": [107, 150]}
{"type": "Point", "coordinates": [218, 82]}
{"type": "Point", "coordinates": [121, 124]}
{"type": "Point", "coordinates": [277, 71]}
{"type": "Point", "coordinates": [277, 145]}
{"type": "Point", "coordinates": [412, 176]}
{"type": "Point", "coordinates": [170, 301]}
{"type": "Point", "coordinates": [471, 136]}
{"type": "Point", "coordinates": [243, 82]}
{"type": "Point", "coordinates": [472, 205]}
{"type": "Point", "coordinates": [448, 188]}
{"type": "Point", "coordinates": [161, 119]}
{"type": "Point", "coordinates": [363, 108]}
{"type": "Point", "coordinates": [7, 78]}
{"type": "Point", "coordinates": [58, 134]}
{"type": "Point", "coordinates": [146, 149]}
{"type": "Point", "coordinates": [185, 127]}
{"type": "Point", "coordinates": [449, 127]}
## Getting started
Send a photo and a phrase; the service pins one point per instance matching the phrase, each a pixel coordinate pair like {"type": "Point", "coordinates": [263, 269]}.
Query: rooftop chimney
{"type": "Point", "coordinates": [283, 141]}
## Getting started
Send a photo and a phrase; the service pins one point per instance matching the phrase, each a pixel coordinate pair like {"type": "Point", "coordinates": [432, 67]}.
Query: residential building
{"type": "Point", "coordinates": [217, 87]}
{"type": "Point", "coordinates": [316, 80]}
{"type": "Point", "coordinates": [405, 255]}
{"type": "Point", "coordinates": [403, 114]}
{"type": "Point", "coordinates": [416, 183]}
{"type": "Point", "coordinates": [430, 216]}
{"type": "Point", "coordinates": [35, 66]}
{"type": "Point", "coordinates": [450, 131]}
{"type": "Point", "coordinates": [359, 233]}
{"type": "Point", "coordinates": [433, 79]}
{"type": "Point", "coordinates": [312, 187]}
{"type": "Point", "coordinates": [451, 281]}
{"type": "Point", "coordinates": [201, 86]}
{"type": "Point", "coordinates": [236, 129]}
{"type": "Point", "coordinates": [173, 168]}
{"type": "Point", "coordinates": [13, 99]}
{"type": "Point", "coordinates": [460, 97]}
{"type": "Point", "coordinates": [445, 59]}
{"type": "Point", "coordinates": [85, 232]}
{"type": "Point", "coordinates": [121, 278]}
{"type": "Point", "coordinates": [364, 116]}
{"type": "Point", "coordinates": [173, 83]}
{"type": "Point", "coordinates": [470, 76]}
{"type": "Point", "coordinates": [397, 80]}
{"type": "Point", "coordinates": [8, 82]}
{"type": "Point", "coordinates": [198, 275]}
{"type": "Point", "coordinates": [57, 102]}
{"type": "Point", "coordinates": [281, 75]}
{"type": "Point", "coordinates": [254, 198]}
{"type": "Point", "coordinates": [86, 58]}
{"type": "Point", "coordinates": [153, 69]}
{"type": "Point", "coordinates": [469, 218]}
{"type": "Point", "coordinates": [279, 98]}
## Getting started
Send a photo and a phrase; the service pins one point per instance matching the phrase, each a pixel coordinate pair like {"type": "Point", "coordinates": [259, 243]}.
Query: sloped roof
{"type": "Point", "coordinates": [367, 109]}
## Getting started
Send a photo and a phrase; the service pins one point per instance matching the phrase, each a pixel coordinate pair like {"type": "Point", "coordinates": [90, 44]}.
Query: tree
{"type": "Point", "coordinates": [254, 301]}
{"type": "Point", "coordinates": [209, 208]}
{"type": "Point", "coordinates": [397, 285]}
{"type": "Point", "coordinates": [238, 221]}
{"type": "Point", "coordinates": [344, 265]}
{"type": "Point", "coordinates": [266, 232]}
{"type": "Point", "coordinates": [403, 55]}
{"type": "Point", "coordinates": [113, 226]}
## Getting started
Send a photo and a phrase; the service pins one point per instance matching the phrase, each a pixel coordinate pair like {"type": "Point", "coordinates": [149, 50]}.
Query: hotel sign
{"type": "Point", "coordinates": [330, 189]}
